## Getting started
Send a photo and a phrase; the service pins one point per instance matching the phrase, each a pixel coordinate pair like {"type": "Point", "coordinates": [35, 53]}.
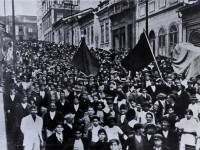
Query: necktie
{"type": "Point", "coordinates": [34, 118]}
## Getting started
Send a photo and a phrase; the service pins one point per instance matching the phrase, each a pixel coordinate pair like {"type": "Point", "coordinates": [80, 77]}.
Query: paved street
{"type": "Point", "coordinates": [3, 142]}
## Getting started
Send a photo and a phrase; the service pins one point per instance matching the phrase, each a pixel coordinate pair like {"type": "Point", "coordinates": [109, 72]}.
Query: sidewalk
{"type": "Point", "coordinates": [3, 141]}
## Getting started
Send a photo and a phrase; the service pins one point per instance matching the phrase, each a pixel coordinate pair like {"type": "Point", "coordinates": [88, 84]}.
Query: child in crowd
{"type": "Point", "coordinates": [93, 130]}
{"type": "Point", "coordinates": [114, 144]}
{"type": "Point", "coordinates": [102, 143]}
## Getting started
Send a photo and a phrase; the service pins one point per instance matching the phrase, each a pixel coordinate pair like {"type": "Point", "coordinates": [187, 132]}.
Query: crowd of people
{"type": "Point", "coordinates": [51, 105]}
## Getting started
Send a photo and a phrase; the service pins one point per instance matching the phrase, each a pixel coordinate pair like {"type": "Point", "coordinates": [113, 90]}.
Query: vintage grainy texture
{"type": "Point", "coordinates": [99, 75]}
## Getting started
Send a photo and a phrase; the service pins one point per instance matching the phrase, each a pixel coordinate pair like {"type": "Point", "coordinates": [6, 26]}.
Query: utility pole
{"type": "Point", "coordinates": [5, 14]}
{"type": "Point", "coordinates": [14, 37]}
{"type": "Point", "coordinates": [71, 10]}
{"type": "Point", "coordinates": [72, 27]}
{"type": "Point", "coordinates": [147, 18]}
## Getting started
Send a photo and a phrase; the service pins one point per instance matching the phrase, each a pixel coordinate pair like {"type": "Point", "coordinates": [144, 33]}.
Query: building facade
{"type": "Point", "coordinates": [25, 27]}
{"type": "Point", "coordinates": [122, 16]}
{"type": "Point", "coordinates": [70, 29]}
{"type": "Point", "coordinates": [190, 15]}
{"type": "Point", "coordinates": [104, 26]}
{"type": "Point", "coordinates": [53, 11]}
{"type": "Point", "coordinates": [165, 26]}
{"type": "Point", "coordinates": [116, 24]}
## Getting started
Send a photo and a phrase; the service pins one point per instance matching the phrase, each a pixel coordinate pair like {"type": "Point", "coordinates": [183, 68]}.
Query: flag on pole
{"type": "Point", "coordinates": [85, 61]}
{"type": "Point", "coordinates": [186, 60]}
{"type": "Point", "coordinates": [140, 56]}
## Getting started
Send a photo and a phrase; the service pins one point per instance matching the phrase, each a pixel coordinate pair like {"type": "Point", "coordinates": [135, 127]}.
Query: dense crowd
{"type": "Point", "coordinates": [51, 105]}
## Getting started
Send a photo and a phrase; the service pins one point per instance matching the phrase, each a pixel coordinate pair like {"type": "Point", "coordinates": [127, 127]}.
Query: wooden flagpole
{"type": "Point", "coordinates": [154, 58]}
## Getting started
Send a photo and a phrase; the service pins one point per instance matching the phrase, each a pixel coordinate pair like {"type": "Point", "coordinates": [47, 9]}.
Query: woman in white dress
{"type": "Point", "coordinates": [187, 127]}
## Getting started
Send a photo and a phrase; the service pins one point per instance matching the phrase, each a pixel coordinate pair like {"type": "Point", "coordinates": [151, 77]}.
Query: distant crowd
{"type": "Point", "coordinates": [51, 105]}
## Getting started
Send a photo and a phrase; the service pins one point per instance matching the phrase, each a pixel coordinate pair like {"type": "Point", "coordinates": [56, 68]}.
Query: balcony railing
{"type": "Point", "coordinates": [119, 6]}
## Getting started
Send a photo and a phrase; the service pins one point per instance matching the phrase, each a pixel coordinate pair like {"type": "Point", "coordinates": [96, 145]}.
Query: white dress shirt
{"type": "Point", "coordinates": [76, 107]}
{"type": "Point", "coordinates": [52, 115]}
{"type": "Point", "coordinates": [165, 133]}
{"type": "Point", "coordinates": [12, 97]}
{"type": "Point", "coordinates": [59, 137]}
{"type": "Point", "coordinates": [24, 105]}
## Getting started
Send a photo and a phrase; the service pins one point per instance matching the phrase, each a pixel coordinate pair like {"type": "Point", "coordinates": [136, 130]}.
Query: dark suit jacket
{"type": "Point", "coordinates": [172, 141]}
{"type": "Point", "coordinates": [54, 144]}
{"type": "Point", "coordinates": [70, 144]}
{"type": "Point", "coordinates": [141, 99]}
{"type": "Point", "coordinates": [152, 93]}
{"type": "Point", "coordinates": [11, 105]}
{"type": "Point", "coordinates": [68, 132]}
{"type": "Point", "coordinates": [44, 101]}
{"type": "Point", "coordinates": [37, 101]}
{"type": "Point", "coordinates": [18, 88]}
{"type": "Point", "coordinates": [181, 104]}
{"type": "Point", "coordinates": [150, 142]}
{"type": "Point", "coordinates": [21, 112]}
{"type": "Point", "coordinates": [62, 108]}
{"type": "Point", "coordinates": [51, 124]}
{"type": "Point", "coordinates": [120, 124]}
{"type": "Point", "coordinates": [132, 144]}
{"type": "Point", "coordinates": [79, 113]}
{"type": "Point", "coordinates": [100, 146]}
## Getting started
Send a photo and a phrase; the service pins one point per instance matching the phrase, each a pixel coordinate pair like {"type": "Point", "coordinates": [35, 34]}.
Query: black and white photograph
{"type": "Point", "coordinates": [99, 74]}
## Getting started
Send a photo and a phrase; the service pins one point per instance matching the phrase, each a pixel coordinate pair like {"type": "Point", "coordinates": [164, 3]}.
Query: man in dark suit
{"type": "Point", "coordinates": [76, 108]}
{"type": "Point", "coordinates": [137, 141]}
{"type": "Point", "coordinates": [158, 143]}
{"type": "Point", "coordinates": [35, 99]}
{"type": "Point", "coordinates": [57, 140]}
{"type": "Point", "coordinates": [10, 102]}
{"type": "Point", "coordinates": [17, 85]}
{"type": "Point", "coordinates": [44, 99]}
{"type": "Point", "coordinates": [22, 110]}
{"type": "Point", "coordinates": [78, 142]}
{"type": "Point", "coordinates": [182, 100]}
{"type": "Point", "coordinates": [121, 118]}
{"type": "Point", "coordinates": [144, 98]}
{"type": "Point", "coordinates": [51, 118]}
{"type": "Point", "coordinates": [153, 90]}
{"type": "Point", "coordinates": [68, 126]}
{"type": "Point", "coordinates": [150, 130]}
{"type": "Point", "coordinates": [62, 104]}
{"type": "Point", "coordinates": [170, 137]}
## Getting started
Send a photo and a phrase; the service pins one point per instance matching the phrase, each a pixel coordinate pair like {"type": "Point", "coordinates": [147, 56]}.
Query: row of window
{"type": "Point", "coordinates": [173, 37]}
{"type": "Point", "coordinates": [49, 3]}
{"type": "Point", "coordinates": [89, 34]}
{"type": "Point", "coordinates": [153, 6]}
{"type": "Point", "coordinates": [47, 23]}
{"type": "Point", "coordinates": [105, 33]}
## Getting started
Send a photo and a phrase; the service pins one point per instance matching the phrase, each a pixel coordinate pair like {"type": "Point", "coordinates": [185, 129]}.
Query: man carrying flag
{"type": "Point", "coordinates": [140, 56]}
{"type": "Point", "coordinates": [85, 61]}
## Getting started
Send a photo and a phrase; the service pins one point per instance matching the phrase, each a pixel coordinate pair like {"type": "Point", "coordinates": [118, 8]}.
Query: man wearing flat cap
{"type": "Point", "coordinates": [150, 130]}
{"type": "Point", "coordinates": [158, 143]}
{"type": "Point", "coordinates": [137, 141]}
{"type": "Point", "coordinates": [153, 90]}
{"type": "Point", "coordinates": [68, 126]}
{"type": "Point", "coordinates": [190, 88]}
{"type": "Point", "coordinates": [161, 103]}
{"type": "Point", "coordinates": [170, 137]}
{"type": "Point", "coordinates": [182, 101]}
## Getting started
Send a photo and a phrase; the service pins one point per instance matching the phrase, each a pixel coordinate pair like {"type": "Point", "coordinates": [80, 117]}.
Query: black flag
{"type": "Point", "coordinates": [85, 61]}
{"type": "Point", "coordinates": [139, 57]}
